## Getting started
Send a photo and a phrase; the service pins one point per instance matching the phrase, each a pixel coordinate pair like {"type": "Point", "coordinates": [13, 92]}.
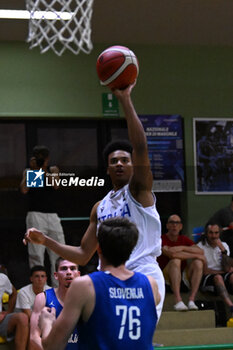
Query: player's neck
{"type": "Point", "coordinates": [212, 244]}
{"type": "Point", "coordinates": [172, 237]}
{"type": "Point", "coordinates": [37, 290]}
{"type": "Point", "coordinates": [118, 186]}
{"type": "Point", "coordinates": [120, 272]}
{"type": "Point", "coordinates": [61, 293]}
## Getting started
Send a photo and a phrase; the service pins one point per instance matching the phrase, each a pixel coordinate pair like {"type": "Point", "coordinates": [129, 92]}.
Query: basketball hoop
{"type": "Point", "coordinates": [67, 25]}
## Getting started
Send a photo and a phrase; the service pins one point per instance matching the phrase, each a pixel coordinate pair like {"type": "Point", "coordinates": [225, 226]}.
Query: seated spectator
{"type": "Point", "coordinates": [12, 325]}
{"type": "Point", "coordinates": [176, 250]}
{"type": "Point", "coordinates": [26, 295]}
{"type": "Point", "coordinates": [218, 272]}
{"type": "Point", "coordinates": [65, 273]}
{"type": "Point", "coordinates": [224, 218]}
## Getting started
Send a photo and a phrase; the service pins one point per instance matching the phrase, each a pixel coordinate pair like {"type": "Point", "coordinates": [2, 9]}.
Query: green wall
{"type": "Point", "coordinates": [191, 81]}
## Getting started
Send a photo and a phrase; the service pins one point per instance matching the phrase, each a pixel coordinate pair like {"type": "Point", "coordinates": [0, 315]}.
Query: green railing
{"type": "Point", "coordinates": [78, 218]}
{"type": "Point", "coordinates": [197, 347]}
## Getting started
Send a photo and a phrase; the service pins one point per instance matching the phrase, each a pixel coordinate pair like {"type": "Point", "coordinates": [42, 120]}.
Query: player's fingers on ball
{"type": "Point", "coordinates": [134, 83]}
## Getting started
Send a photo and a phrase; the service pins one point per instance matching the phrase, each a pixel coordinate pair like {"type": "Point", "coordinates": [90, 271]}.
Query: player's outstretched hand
{"type": "Point", "coordinates": [34, 236]}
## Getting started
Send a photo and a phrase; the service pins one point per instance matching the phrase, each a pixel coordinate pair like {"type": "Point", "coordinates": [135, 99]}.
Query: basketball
{"type": "Point", "coordinates": [117, 67]}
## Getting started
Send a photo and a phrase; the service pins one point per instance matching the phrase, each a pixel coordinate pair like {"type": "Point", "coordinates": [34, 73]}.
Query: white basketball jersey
{"type": "Point", "coordinates": [147, 220]}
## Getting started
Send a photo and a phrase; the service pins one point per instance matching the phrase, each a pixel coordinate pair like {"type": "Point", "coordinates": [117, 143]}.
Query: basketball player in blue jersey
{"type": "Point", "coordinates": [65, 273]}
{"type": "Point", "coordinates": [131, 197]}
{"type": "Point", "coordinates": [115, 308]}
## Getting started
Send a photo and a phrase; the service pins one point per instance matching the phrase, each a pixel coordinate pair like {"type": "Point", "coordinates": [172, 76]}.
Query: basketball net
{"type": "Point", "coordinates": [59, 34]}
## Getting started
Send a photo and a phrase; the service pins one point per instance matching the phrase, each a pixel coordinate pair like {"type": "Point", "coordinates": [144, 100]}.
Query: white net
{"type": "Point", "coordinates": [60, 25]}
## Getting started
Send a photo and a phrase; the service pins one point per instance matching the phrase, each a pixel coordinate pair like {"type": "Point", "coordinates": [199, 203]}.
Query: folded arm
{"type": "Point", "coordinates": [208, 271]}
{"type": "Point", "coordinates": [183, 252]}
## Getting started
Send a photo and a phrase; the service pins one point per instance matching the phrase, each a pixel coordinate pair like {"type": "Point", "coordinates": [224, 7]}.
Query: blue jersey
{"type": "Point", "coordinates": [124, 316]}
{"type": "Point", "coordinates": [52, 301]}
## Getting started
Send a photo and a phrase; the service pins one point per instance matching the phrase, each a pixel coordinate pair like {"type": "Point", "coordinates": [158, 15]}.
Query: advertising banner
{"type": "Point", "coordinates": [165, 145]}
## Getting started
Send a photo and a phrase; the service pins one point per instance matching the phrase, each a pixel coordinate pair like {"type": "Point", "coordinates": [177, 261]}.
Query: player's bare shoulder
{"type": "Point", "coordinates": [82, 290]}
{"type": "Point", "coordinates": [84, 281]}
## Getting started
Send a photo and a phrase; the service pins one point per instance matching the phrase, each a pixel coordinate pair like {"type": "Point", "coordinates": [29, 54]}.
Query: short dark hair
{"type": "Point", "coordinates": [37, 268]}
{"type": "Point", "coordinates": [212, 223]}
{"type": "Point", "coordinates": [58, 261]}
{"type": "Point", "coordinates": [203, 237]}
{"type": "Point", "coordinates": [40, 151]}
{"type": "Point", "coordinates": [123, 145]}
{"type": "Point", "coordinates": [117, 238]}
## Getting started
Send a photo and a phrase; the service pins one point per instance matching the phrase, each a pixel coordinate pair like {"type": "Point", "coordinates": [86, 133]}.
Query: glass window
{"type": "Point", "coordinates": [12, 150]}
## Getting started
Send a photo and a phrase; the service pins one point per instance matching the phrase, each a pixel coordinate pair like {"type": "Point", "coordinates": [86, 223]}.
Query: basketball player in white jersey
{"type": "Point", "coordinates": [131, 197]}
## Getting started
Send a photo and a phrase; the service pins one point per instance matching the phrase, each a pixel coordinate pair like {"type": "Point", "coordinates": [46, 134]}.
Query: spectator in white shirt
{"type": "Point", "coordinates": [26, 295]}
{"type": "Point", "coordinates": [218, 271]}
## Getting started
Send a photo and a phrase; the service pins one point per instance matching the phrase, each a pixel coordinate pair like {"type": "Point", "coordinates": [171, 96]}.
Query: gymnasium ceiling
{"type": "Point", "coordinates": [149, 22]}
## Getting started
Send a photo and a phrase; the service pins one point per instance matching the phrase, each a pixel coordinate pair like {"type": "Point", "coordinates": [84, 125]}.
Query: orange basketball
{"type": "Point", "coordinates": [117, 67]}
